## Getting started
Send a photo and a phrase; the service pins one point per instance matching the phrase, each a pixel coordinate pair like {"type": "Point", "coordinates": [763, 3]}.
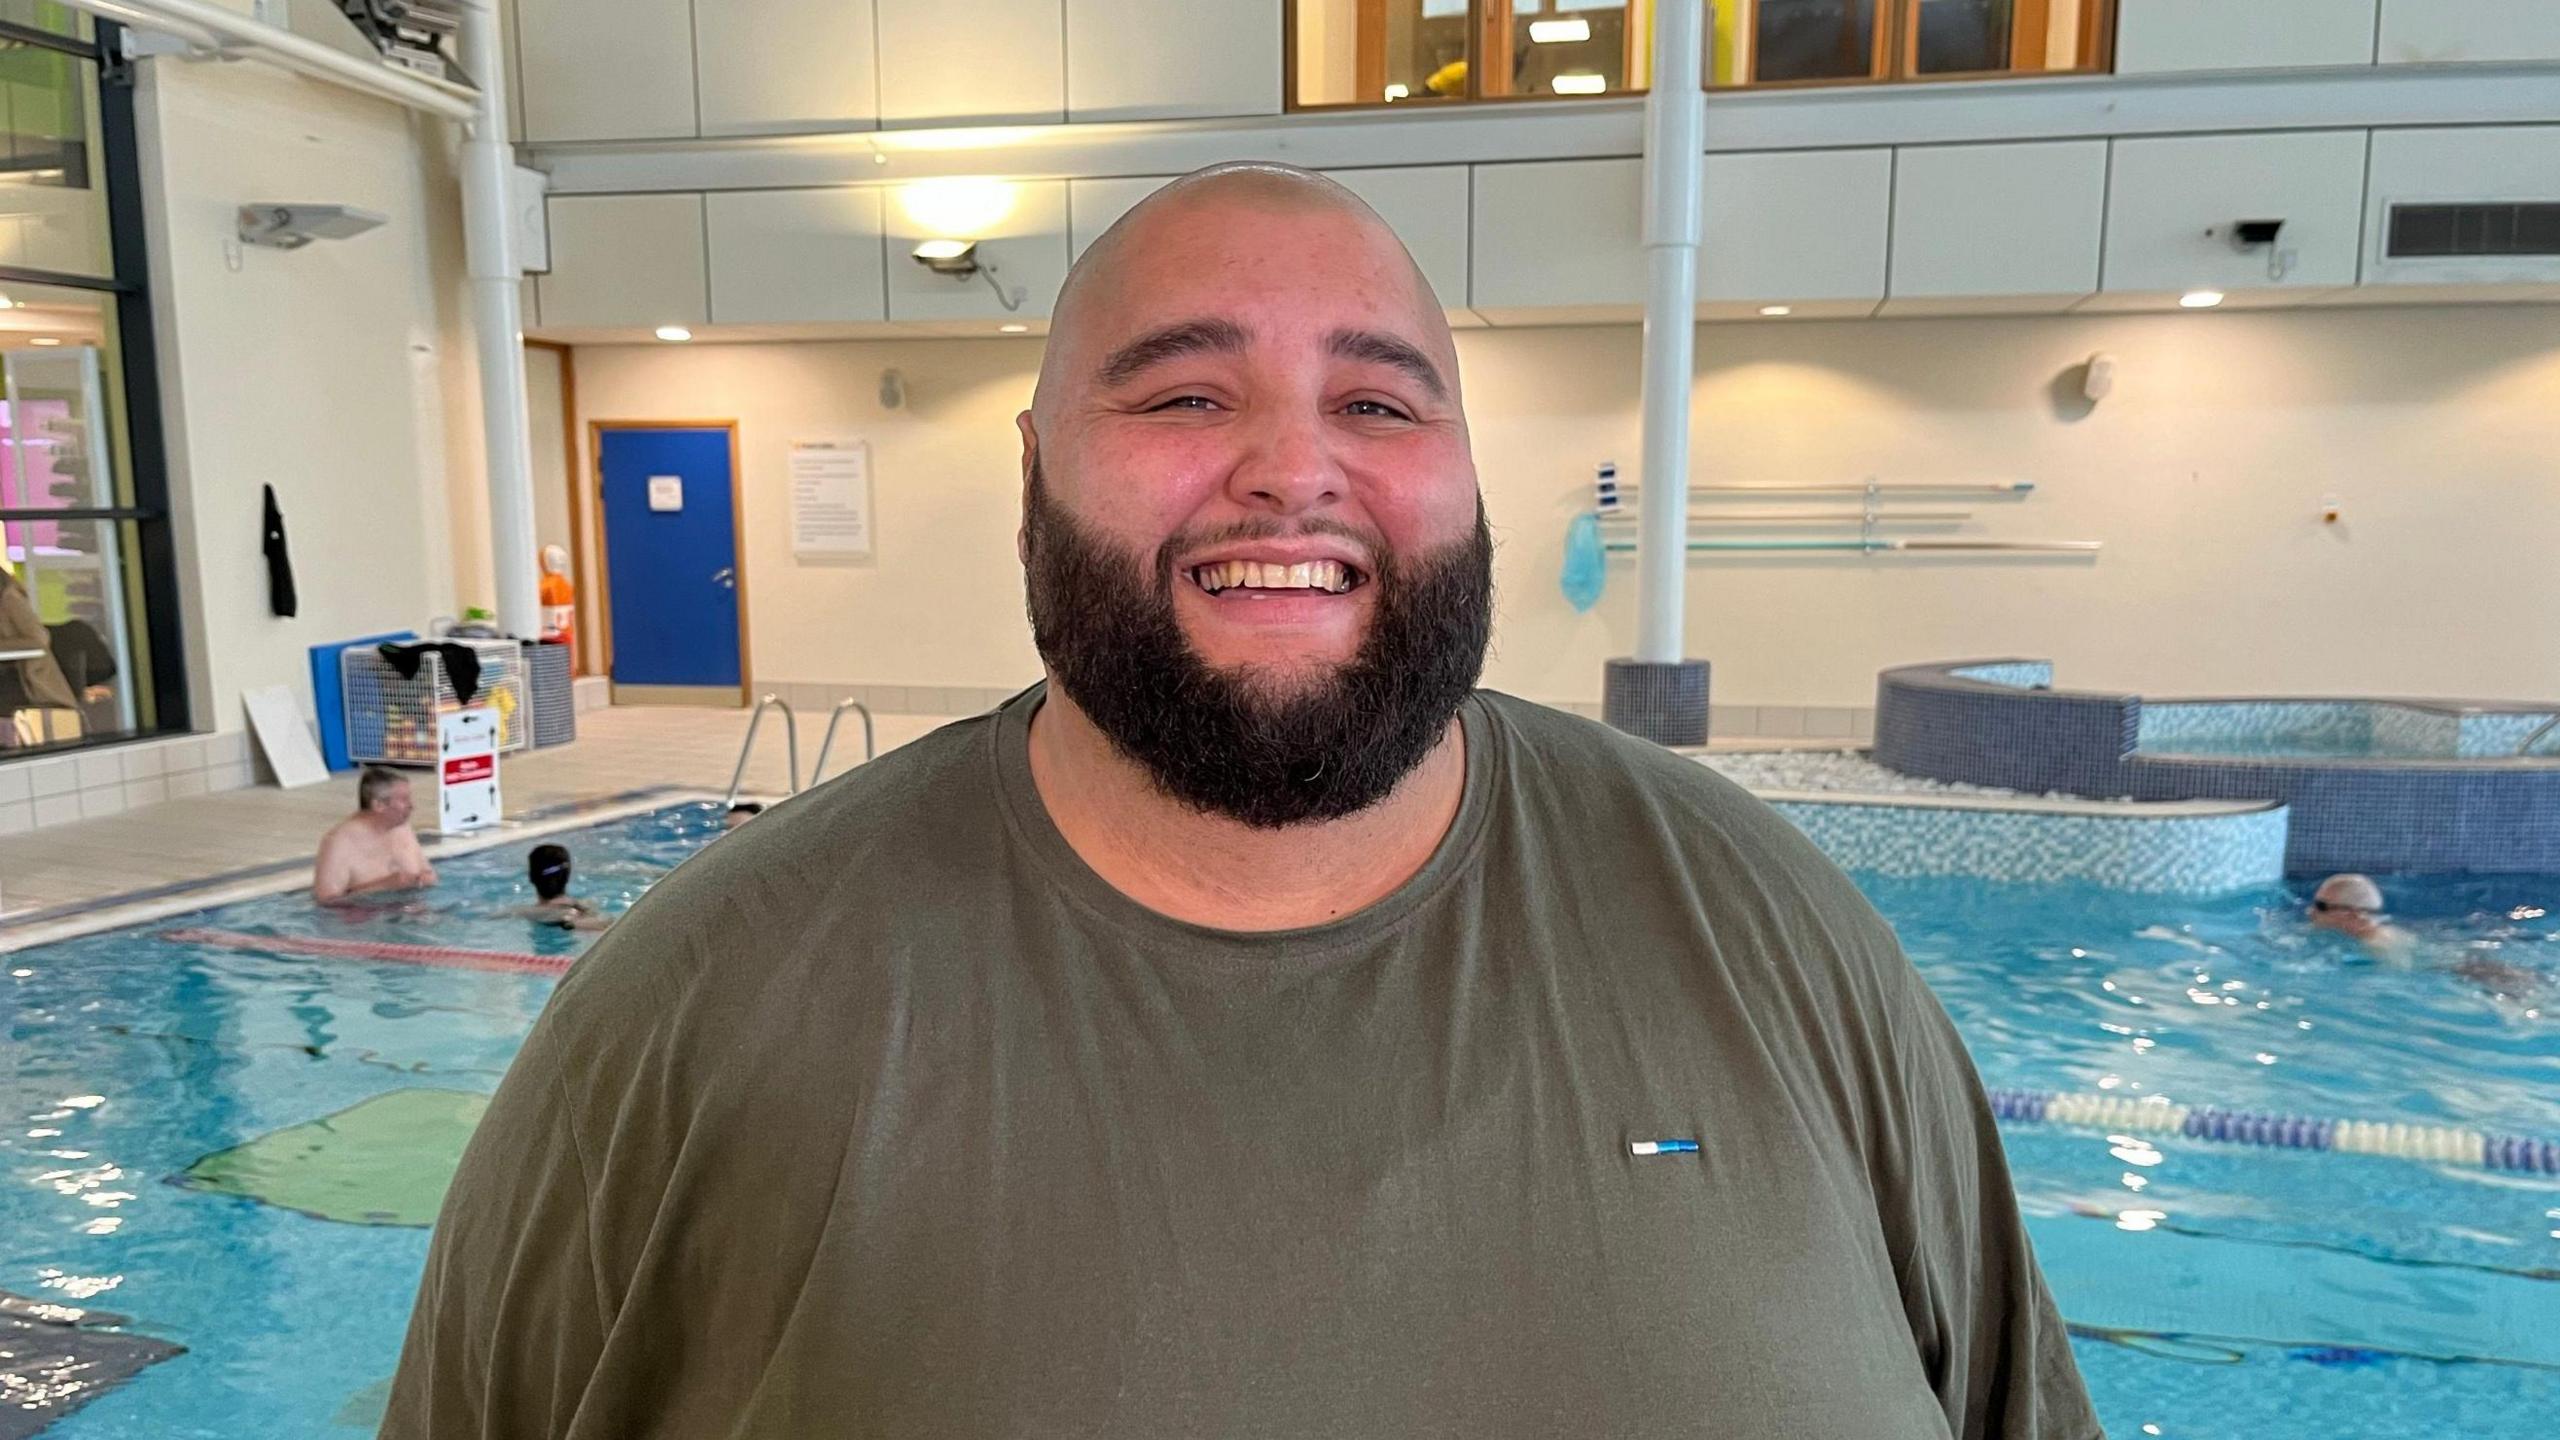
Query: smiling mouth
{"type": "Point", "coordinates": [1323, 577]}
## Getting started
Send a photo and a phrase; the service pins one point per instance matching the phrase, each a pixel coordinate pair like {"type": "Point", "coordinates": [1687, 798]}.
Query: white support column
{"type": "Point", "coordinates": [489, 246]}
{"type": "Point", "coordinates": [1675, 115]}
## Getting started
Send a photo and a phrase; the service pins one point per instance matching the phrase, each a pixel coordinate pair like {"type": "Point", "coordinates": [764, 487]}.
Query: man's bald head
{"type": "Point", "coordinates": [1208, 216]}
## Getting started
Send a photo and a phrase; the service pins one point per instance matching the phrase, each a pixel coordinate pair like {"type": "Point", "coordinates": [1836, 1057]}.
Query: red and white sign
{"type": "Point", "coordinates": [467, 769]}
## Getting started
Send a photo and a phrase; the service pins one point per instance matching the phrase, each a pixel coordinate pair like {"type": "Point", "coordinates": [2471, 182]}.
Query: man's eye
{"type": "Point", "coordinates": [1376, 408]}
{"type": "Point", "coordinates": [1186, 402]}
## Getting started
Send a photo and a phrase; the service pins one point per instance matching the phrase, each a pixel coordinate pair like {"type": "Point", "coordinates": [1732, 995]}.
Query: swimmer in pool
{"type": "Point", "coordinates": [2351, 905]}
{"type": "Point", "coordinates": [373, 849]}
{"type": "Point", "coordinates": [548, 868]}
{"type": "Point", "coordinates": [739, 814]}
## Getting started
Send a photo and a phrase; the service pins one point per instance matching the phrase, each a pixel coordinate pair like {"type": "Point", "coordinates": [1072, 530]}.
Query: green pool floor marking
{"type": "Point", "coordinates": [383, 1161]}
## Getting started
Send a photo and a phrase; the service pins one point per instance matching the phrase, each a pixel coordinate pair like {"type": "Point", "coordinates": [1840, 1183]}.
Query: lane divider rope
{"type": "Point", "coordinates": [449, 957]}
{"type": "Point", "coordinates": [2443, 1144]}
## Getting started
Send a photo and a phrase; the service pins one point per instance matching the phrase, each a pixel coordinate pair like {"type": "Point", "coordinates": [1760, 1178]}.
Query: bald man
{"type": "Point", "coordinates": [1255, 1029]}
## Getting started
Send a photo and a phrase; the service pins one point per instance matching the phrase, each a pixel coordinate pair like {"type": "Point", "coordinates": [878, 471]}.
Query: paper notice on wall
{"type": "Point", "coordinates": [830, 500]}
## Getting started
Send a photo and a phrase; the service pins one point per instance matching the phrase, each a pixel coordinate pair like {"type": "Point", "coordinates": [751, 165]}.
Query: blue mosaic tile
{"type": "Point", "coordinates": [2017, 674]}
{"type": "Point", "coordinates": [2168, 855]}
{"type": "Point", "coordinates": [2419, 811]}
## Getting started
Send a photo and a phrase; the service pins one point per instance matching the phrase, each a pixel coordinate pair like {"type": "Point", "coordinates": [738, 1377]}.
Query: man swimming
{"type": "Point", "coordinates": [2352, 905]}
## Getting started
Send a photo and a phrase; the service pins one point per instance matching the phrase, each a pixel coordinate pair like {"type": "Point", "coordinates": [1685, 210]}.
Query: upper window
{"type": "Point", "coordinates": [1384, 52]}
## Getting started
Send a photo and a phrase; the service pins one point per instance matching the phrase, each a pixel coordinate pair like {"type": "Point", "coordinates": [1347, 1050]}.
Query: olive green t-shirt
{"type": "Point", "coordinates": [885, 1116]}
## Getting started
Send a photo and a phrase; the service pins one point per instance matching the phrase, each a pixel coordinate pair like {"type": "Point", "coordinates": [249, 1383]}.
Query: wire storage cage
{"type": "Point", "coordinates": [391, 717]}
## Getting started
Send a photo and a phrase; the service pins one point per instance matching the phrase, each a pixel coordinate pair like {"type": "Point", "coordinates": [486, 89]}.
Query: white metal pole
{"type": "Point", "coordinates": [1675, 118]}
{"type": "Point", "coordinates": [489, 247]}
{"type": "Point", "coordinates": [212, 27]}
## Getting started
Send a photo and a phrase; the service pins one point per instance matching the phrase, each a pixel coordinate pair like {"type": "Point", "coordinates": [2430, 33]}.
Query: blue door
{"type": "Point", "coordinates": [671, 556]}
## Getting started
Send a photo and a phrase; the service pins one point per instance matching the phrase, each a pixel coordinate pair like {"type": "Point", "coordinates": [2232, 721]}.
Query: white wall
{"type": "Point", "coordinates": [2204, 475]}
{"type": "Point", "coordinates": [545, 372]}
{"type": "Point", "coordinates": [333, 373]}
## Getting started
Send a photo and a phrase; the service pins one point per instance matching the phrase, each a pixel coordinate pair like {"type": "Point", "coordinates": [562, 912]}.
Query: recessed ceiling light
{"type": "Point", "coordinates": [1013, 329]}
{"type": "Point", "coordinates": [674, 333]}
{"type": "Point", "coordinates": [1582, 83]}
{"type": "Point", "coordinates": [2201, 299]}
{"type": "Point", "coordinates": [45, 340]}
{"type": "Point", "coordinates": [1559, 32]}
{"type": "Point", "coordinates": [1773, 311]}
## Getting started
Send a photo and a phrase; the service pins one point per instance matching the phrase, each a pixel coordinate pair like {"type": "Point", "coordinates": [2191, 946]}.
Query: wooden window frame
{"type": "Point", "coordinates": [1894, 61]}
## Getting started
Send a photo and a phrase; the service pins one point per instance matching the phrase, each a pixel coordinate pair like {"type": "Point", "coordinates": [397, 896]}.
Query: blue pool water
{"type": "Point", "coordinates": [2220, 1292]}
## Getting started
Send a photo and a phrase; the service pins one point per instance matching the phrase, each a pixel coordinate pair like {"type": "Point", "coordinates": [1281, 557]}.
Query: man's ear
{"type": "Point", "coordinates": [1030, 464]}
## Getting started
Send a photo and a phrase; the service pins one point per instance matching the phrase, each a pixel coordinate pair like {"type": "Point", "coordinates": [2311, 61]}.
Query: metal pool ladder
{"type": "Point", "coordinates": [818, 771]}
{"type": "Point", "coordinates": [791, 742]}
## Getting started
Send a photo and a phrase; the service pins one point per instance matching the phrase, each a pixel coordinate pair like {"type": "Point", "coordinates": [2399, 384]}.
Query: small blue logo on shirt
{"type": "Point", "coordinates": [1662, 1147]}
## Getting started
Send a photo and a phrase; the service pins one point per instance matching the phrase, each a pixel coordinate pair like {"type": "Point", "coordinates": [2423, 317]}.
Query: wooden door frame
{"type": "Point", "coordinates": [737, 536]}
{"type": "Point", "coordinates": [585, 558]}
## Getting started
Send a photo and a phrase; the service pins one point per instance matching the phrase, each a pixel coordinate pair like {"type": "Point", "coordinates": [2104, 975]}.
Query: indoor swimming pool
{"type": "Point", "coordinates": [160, 1159]}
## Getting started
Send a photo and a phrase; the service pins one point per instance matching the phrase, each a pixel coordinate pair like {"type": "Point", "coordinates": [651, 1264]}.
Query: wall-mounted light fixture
{"type": "Point", "coordinates": [959, 260]}
{"type": "Point", "coordinates": [290, 227]}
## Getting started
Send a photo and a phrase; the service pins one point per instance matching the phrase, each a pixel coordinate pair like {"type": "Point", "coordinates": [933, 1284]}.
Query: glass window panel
{"type": "Point", "coordinates": [1813, 40]}
{"type": "Point", "coordinates": [1569, 47]}
{"type": "Point", "coordinates": [72, 656]}
{"type": "Point", "coordinates": [50, 16]}
{"type": "Point", "coordinates": [53, 204]}
{"type": "Point", "coordinates": [1953, 36]}
{"type": "Point", "coordinates": [59, 404]}
{"type": "Point", "coordinates": [1365, 52]}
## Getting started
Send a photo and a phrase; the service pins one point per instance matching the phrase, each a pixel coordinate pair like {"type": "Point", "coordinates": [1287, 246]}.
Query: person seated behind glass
{"type": "Point", "coordinates": [548, 868]}
{"type": "Point", "coordinates": [30, 680]}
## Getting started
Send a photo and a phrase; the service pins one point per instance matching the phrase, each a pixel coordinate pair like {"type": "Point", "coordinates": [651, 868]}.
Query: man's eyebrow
{"type": "Point", "coordinates": [1188, 337]}
{"type": "Point", "coordinates": [1377, 349]}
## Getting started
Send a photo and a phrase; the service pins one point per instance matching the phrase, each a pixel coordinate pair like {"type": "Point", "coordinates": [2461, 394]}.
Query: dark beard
{"type": "Point", "coordinates": [1232, 742]}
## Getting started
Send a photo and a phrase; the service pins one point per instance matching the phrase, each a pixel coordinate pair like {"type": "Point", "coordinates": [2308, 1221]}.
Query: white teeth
{"type": "Point", "coordinates": [1330, 576]}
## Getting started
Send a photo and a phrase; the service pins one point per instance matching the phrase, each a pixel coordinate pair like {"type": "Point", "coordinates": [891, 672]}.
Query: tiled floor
{"type": "Point", "coordinates": [186, 840]}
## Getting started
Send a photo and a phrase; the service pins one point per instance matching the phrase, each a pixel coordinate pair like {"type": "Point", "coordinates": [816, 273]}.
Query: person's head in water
{"type": "Point", "coordinates": [1255, 552]}
{"type": "Point", "coordinates": [383, 795]}
{"type": "Point", "coordinates": [548, 868]}
{"type": "Point", "coordinates": [2348, 904]}
{"type": "Point", "coordinates": [740, 813]}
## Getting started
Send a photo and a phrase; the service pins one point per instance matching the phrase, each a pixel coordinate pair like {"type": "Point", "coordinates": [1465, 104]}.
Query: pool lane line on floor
{"type": "Point", "coordinates": [2439, 1144]}
{"type": "Point", "coordinates": [159, 902]}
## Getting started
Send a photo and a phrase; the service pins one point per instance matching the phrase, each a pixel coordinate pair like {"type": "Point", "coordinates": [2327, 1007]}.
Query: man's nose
{"type": "Point", "coordinates": [1287, 468]}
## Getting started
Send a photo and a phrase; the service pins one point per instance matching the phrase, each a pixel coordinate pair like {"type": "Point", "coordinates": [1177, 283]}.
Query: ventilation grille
{"type": "Point", "coordinates": [2475, 230]}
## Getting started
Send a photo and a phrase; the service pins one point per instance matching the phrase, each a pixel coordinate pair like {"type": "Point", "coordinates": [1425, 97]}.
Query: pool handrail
{"type": "Point", "coordinates": [790, 740]}
{"type": "Point", "coordinates": [818, 771]}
